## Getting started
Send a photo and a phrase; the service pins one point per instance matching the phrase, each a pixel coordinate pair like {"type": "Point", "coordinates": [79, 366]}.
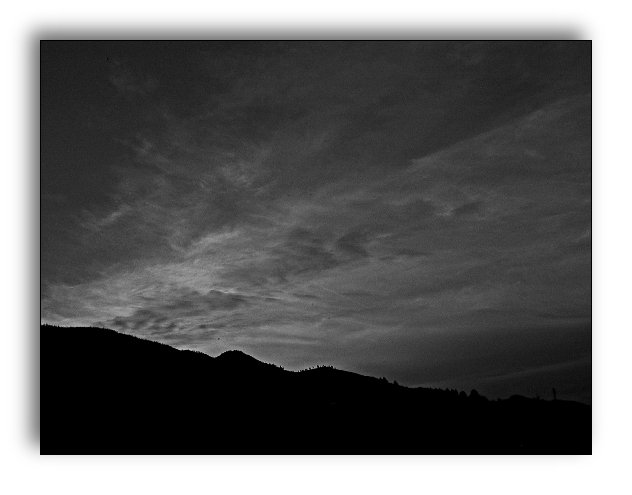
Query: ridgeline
{"type": "Point", "coordinates": [104, 392]}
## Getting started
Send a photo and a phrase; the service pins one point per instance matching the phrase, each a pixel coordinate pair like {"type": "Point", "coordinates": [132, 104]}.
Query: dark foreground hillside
{"type": "Point", "coordinates": [105, 392]}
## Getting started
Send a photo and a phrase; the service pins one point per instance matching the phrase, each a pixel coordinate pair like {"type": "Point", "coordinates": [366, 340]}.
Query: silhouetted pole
{"type": "Point", "coordinates": [554, 394]}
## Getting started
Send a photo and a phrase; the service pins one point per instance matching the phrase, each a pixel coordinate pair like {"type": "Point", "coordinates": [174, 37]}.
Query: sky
{"type": "Point", "coordinates": [414, 210]}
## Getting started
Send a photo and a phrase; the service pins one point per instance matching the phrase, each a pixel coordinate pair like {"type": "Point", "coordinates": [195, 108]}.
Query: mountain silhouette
{"type": "Point", "coordinates": [103, 392]}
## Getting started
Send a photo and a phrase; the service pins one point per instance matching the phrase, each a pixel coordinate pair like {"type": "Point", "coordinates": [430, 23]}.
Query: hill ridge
{"type": "Point", "coordinates": [102, 392]}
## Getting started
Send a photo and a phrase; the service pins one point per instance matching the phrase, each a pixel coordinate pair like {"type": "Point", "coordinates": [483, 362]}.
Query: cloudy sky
{"type": "Point", "coordinates": [415, 210]}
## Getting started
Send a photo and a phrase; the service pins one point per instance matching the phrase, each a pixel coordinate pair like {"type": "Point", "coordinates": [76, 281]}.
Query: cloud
{"type": "Point", "coordinates": [352, 243]}
{"type": "Point", "coordinates": [360, 234]}
{"type": "Point", "coordinates": [179, 311]}
{"type": "Point", "coordinates": [469, 209]}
